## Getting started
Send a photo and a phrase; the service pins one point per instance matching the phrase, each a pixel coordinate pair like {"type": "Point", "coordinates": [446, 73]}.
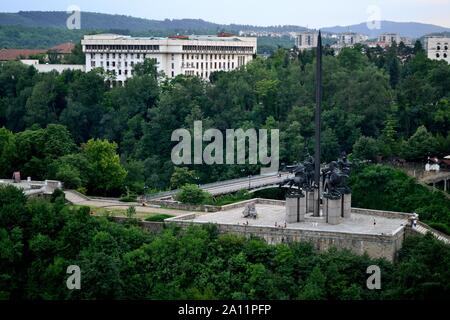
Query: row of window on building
{"type": "Point", "coordinates": [111, 64]}
{"type": "Point", "coordinates": [200, 74]}
{"type": "Point", "coordinates": [120, 56]}
{"type": "Point", "coordinates": [217, 48]}
{"type": "Point", "coordinates": [123, 47]}
{"type": "Point", "coordinates": [207, 65]}
{"type": "Point", "coordinates": [210, 56]}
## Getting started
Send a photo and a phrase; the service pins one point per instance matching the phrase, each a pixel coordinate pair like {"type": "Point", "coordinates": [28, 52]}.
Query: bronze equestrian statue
{"type": "Point", "coordinates": [334, 179]}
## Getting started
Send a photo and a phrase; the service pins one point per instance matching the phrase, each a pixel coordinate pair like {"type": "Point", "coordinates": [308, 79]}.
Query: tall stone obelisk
{"type": "Point", "coordinates": [318, 124]}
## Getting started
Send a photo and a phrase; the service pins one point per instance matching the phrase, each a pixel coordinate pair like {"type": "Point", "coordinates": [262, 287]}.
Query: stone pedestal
{"type": "Point", "coordinates": [332, 210]}
{"type": "Point", "coordinates": [315, 202]}
{"type": "Point", "coordinates": [310, 202]}
{"type": "Point", "coordinates": [295, 209]}
{"type": "Point", "coordinates": [347, 206]}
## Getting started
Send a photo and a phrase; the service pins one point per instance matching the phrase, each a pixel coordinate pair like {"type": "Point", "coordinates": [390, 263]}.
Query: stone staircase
{"type": "Point", "coordinates": [423, 229]}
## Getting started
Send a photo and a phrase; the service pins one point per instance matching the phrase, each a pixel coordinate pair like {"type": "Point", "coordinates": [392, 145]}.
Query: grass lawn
{"type": "Point", "coordinates": [103, 212]}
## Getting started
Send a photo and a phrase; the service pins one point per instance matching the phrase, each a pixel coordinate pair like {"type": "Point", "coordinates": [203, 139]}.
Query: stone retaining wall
{"type": "Point", "coordinates": [376, 246]}
{"type": "Point", "coordinates": [150, 226]}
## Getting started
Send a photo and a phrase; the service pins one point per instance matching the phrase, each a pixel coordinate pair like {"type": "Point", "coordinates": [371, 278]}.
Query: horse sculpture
{"type": "Point", "coordinates": [334, 179]}
{"type": "Point", "coordinates": [303, 178]}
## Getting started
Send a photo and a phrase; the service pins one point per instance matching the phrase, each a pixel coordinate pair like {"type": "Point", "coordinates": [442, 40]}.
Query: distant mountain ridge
{"type": "Point", "coordinates": [123, 24]}
{"type": "Point", "coordinates": [101, 21]}
{"type": "Point", "coordinates": [406, 29]}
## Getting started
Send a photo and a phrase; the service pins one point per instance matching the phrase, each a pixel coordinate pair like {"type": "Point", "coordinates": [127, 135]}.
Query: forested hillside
{"type": "Point", "coordinates": [374, 105]}
{"type": "Point", "coordinates": [39, 239]}
{"type": "Point", "coordinates": [102, 21]}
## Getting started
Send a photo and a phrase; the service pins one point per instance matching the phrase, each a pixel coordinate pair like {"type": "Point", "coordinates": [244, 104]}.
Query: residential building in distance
{"type": "Point", "coordinates": [61, 50]}
{"type": "Point", "coordinates": [387, 39]}
{"type": "Point", "coordinates": [349, 39]}
{"type": "Point", "coordinates": [193, 55]}
{"type": "Point", "coordinates": [437, 48]}
{"type": "Point", "coordinates": [306, 40]}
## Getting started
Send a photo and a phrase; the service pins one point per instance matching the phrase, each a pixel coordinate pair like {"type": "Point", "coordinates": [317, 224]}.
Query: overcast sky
{"type": "Point", "coordinates": [312, 13]}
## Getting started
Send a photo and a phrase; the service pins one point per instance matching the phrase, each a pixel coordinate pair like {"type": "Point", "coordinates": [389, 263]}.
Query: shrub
{"type": "Point", "coordinates": [192, 194]}
{"type": "Point", "coordinates": [158, 217]}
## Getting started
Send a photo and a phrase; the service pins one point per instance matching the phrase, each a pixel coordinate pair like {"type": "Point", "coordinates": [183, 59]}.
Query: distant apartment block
{"type": "Point", "coordinates": [306, 40]}
{"type": "Point", "coordinates": [179, 55]}
{"type": "Point", "coordinates": [387, 39]}
{"type": "Point", "coordinates": [437, 48]}
{"type": "Point", "coordinates": [349, 39]}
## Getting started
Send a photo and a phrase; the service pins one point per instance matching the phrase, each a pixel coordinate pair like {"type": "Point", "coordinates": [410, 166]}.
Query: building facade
{"type": "Point", "coordinates": [306, 40]}
{"type": "Point", "coordinates": [437, 48]}
{"type": "Point", "coordinates": [187, 55]}
{"type": "Point", "coordinates": [389, 38]}
{"type": "Point", "coordinates": [348, 39]}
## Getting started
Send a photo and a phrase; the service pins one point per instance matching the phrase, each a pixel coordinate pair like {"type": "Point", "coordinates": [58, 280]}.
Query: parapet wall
{"type": "Point", "coordinates": [384, 214]}
{"type": "Point", "coordinates": [376, 246]}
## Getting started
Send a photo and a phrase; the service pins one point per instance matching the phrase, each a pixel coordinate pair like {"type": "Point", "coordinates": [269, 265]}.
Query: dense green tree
{"type": "Point", "coordinates": [182, 176]}
{"type": "Point", "coordinates": [105, 170]}
{"type": "Point", "coordinates": [192, 194]}
{"type": "Point", "coordinates": [7, 152]}
{"type": "Point", "coordinates": [366, 148]}
{"type": "Point", "coordinates": [420, 145]}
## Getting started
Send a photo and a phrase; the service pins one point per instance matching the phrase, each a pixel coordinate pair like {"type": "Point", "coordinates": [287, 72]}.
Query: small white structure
{"type": "Point", "coordinates": [432, 167]}
{"type": "Point", "coordinates": [52, 67]}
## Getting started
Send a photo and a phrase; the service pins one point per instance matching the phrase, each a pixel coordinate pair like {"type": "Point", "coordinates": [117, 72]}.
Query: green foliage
{"type": "Point", "coordinates": [420, 145]}
{"type": "Point", "coordinates": [106, 172]}
{"type": "Point", "coordinates": [131, 212]}
{"type": "Point", "coordinates": [384, 188]}
{"type": "Point", "coordinates": [121, 261]}
{"type": "Point", "coordinates": [365, 148]}
{"type": "Point", "coordinates": [181, 177]}
{"type": "Point", "coordinates": [7, 152]}
{"type": "Point", "coordinates": [192, 194]}
{"type": "Point", "coordinates": [159, 217]}
{"type": "Point", "coordinates": [231, 198]}
{"type": "Point", "coordinates": [365, 98]}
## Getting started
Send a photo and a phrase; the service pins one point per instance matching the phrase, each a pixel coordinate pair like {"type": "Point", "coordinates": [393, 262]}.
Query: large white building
{"type": "Point", "coordinates": [306, 40]}
{"type": "Point", "coordinates": [188, 55]}
{"type": "Point", "coordinates": [437, 48]}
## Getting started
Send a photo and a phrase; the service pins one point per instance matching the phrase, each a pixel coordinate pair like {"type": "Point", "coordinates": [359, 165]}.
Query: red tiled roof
{"type": "Point", "coordinates": [64, 47]}
{"type": "Point", "coordinates": [15, 54]}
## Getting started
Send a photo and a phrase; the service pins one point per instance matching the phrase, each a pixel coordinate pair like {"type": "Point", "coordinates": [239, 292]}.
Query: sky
{"type": "Point", "coordinates": [311, 13]}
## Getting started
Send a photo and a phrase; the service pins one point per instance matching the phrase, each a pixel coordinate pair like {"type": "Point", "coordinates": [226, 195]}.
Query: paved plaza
{"type": "Point", "coordinates": [274, 215]}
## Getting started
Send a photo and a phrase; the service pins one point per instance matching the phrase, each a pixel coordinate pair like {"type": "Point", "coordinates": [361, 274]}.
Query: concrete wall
{"type": "Point", "coordinates": [384, 214]}
{"type": "Point", "coordinates": [149, 226]}
{"type": "Point", "coordinates": [376, 246]}
{"type": "Point", "coordinates": [184, 206]}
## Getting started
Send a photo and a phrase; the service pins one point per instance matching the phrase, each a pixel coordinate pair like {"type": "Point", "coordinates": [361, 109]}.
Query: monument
{"type": "Point", "coordinates": [250, 211]}
{"type": "Point", "coordinates": [311, 185]}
